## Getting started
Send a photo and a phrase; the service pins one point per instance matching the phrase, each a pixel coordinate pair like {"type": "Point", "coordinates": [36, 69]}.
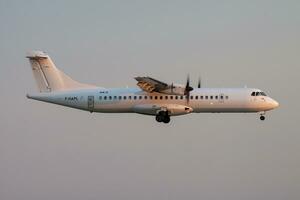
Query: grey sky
{"type": "Point", "coordinates": [52, 152]}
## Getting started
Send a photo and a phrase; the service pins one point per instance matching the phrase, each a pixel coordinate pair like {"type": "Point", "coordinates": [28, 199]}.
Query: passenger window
{"type": "Point", "coordinates": [211, 97]}
{"type": "Point", "coordinates": [134, 97]}
{"type": "Point", "coordinates": [226, 97]}
{"type": "Point", "coordinates": [181, 97]}
{"type": "Point", "coordinates": [196, 97]}
{"type": "Point", "coordinates": [105, 97]}
{"type": "Point", "coordinates": [129, 97]}
{"type": "Point", "coordinates": [145, 97]}
{"type": "Point", "coordinates": [171, 97]}
{"type": "Point", "coordinates": [216, 97]}
{"type": "Point", "coordinates": [151, 97]}
{"type": "Point", "coordinates": [166, 97]}
{"type": "Point", "coordinates": [176, 97]}
{"type": "Point", "coordinates": [100, 97]}
{"type": "Point", "coordinates": [201, 97]}
{"type": "Point", "coordinates": [161, 97]}
{"type": "Point", "coordinates": [124, 97]}
{"type": "Point", "coordinates": [110, 97]}
{"type": "Point", "coordinates": [155, 97]}
{"type": "Point", "coordinates": [192, 97]}
{"type": "Point", "coordinates": [140, 97]}
{"type": "Point", "coordinates": [221, 96]}
{"type": "Point", "coordinates": [120, 97]}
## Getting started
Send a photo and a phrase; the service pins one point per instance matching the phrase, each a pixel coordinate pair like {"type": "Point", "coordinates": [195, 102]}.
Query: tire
{"type": "Point", "coordinates": [159, 118]}
{"type": "Point", "coordinates": [166, 119]}
{"type": "Point", "coordinates": [262, 118]}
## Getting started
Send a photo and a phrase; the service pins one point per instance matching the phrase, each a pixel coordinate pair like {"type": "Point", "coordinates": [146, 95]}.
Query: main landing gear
{"type": "Point", "coordinates": [163, 116]}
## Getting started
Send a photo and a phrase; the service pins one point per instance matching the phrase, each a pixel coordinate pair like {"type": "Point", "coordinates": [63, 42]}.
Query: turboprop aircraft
{"type": "Point", "coordinates": [151, 97]}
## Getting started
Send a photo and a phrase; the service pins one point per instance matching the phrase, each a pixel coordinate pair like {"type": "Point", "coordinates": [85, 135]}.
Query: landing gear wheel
{"type": "Point", "coordinates": [163, 117]}
{"type": "Point", "coordinates": [262, 118]}
{"type": "Point", "coordinates": [166, 119]}
{"type": "Point", "coordinates": [159, 118]}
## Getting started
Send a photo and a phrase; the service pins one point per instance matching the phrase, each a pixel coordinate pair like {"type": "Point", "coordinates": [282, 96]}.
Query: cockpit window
{"type": "Point", "coordinates": [258, 94]}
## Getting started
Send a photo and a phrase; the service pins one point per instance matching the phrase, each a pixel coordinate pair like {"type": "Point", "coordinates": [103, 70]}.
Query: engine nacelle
{"type": "Point", "coordinates": [175, 89]}
{"type": "Point", "coordinates": [175, 109]}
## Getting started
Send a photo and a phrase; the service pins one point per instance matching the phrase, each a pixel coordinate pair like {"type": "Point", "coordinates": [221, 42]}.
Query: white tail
{"type": "Point", "coordinates": [48, 77]}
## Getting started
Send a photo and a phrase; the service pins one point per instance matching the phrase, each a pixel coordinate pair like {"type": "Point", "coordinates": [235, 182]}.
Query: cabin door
{"type": "Point", "coordinates": [90, 103]}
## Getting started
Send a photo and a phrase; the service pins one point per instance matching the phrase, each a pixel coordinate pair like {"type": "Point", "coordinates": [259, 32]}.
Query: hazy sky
{"type": "Point", "coordinates": [51, 152]}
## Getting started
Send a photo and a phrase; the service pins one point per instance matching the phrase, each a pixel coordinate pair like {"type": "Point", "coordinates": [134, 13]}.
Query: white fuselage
{"type": "Point", "coordinates": [153, 98]}
{"type": "Point", "coordinates": [134, 100]}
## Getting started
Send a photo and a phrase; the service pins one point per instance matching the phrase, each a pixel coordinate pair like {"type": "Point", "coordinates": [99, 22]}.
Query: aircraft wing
{"type": "Point", "coordinates": [149, 84]}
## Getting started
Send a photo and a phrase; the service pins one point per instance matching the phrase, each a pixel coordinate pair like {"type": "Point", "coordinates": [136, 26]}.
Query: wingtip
{"type": "Point", "coordinates": [137, 78]}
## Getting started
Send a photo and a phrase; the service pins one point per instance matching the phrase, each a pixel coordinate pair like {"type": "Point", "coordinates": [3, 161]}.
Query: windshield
{"type": "Point", "coordinates": [254, 93]}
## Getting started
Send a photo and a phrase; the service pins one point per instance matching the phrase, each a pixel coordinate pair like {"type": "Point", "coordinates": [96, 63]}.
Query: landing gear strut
{"type": "Point", "coordinates": [163, 116]}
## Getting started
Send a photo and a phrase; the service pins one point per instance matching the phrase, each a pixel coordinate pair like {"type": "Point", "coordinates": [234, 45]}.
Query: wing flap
{"type": "Point", "coordinates": [149, 84]}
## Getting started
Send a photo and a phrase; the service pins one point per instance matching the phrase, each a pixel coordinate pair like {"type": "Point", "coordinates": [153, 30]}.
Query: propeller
{"type": "Point", "coordinates": [187, 89]}
{"type": "Point", "coordinates": [199, 82]}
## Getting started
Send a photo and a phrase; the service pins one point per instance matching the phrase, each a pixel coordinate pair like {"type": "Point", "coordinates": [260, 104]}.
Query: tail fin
{"type": "Point", "coordinates": [48, 77]}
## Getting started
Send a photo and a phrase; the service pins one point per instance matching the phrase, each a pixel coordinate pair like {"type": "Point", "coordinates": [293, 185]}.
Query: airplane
{"type": "Point", "coordinates": [151, 97]}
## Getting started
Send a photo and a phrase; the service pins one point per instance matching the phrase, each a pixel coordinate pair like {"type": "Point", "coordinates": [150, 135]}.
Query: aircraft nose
{"type": "Point", "coordinates": [275, 104]}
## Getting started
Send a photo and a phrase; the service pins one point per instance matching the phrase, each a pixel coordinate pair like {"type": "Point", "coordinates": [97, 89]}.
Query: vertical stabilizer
{"type": "Point", "coordinates": [48, 77]}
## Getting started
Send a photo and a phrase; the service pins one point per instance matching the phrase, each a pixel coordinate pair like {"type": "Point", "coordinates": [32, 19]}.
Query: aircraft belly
{"type": "Point", "coordinates": [222, 110]}
{"type": "Point", "coordinates": [223, 107]}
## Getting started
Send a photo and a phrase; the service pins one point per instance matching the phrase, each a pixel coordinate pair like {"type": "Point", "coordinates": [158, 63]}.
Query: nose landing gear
{"type": "Point", "coordinates": [163, 116]}
{"type": "Point", "coordinates": [262, 116]}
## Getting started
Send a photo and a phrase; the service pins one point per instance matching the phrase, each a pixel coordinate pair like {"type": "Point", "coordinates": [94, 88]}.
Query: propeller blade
{"type": "Point", "coordinates": [199, 82]}
{"type": "Point", "coordinates": [187, 85]}
{"type": "Point", "coordinates": [188, 88]}
{"type": "Point", "coordinates": [188, 97]}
